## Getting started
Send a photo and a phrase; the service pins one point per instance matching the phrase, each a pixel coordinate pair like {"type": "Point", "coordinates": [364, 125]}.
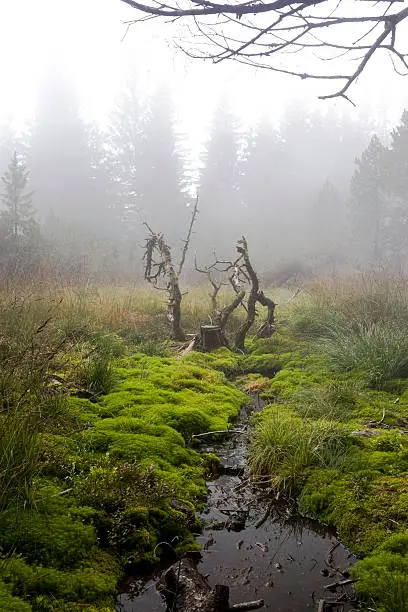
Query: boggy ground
{"type": "Point", "coordinates": [98, 465]}
{"type": "Point", "coordinates": [335, 434]}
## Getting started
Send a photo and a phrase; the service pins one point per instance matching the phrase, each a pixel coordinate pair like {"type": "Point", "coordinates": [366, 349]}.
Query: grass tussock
{"type": "Point", "coordinates": [359, 324]}
{"type": "Point", "coordinates": [284, 446]}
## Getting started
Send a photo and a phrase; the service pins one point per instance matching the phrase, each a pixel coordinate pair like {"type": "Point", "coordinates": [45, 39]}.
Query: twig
{"type": "Point", "coordinates": [249, 605]}
{"type": "Point", "coordinates": [340, 583]}
{"type": "Point", "coordinates": [190, 347]}
{"type": "Point", "coordinates": [188, 238]}
{"type": "Point", "coordinates": [220, 431]}
{"type": "Point", "coordinates": [265, 515]}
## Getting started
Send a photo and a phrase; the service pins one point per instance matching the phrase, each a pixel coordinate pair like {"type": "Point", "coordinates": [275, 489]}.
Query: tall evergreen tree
{"type": "Point", "coordinates": [19, 230]}
{"type": "Point", "coordinates": [397, 166]}
{"type": "Point", "coordinates": [368, 207]}
{"type": "Point", "coordinates": [161, 169]}
{"type": "Point", "coordinates": [18, 214]}
{"type": "Point", "coordinates": [124, 154]}
{"type": "Point", "coordinates": [262, 183]}
{"type": "Point", "coordinates": [9, 143]}
{"type": "Point", "coordinates": [221, 206]}
{"type": "Point", "coordinates": [59, 155]}
{"type": "Point", "coordinates": [146, 164]}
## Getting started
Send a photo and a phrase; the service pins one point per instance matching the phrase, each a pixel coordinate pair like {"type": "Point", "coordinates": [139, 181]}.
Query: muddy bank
{"type": "Point", "coordinates": [257, 545]}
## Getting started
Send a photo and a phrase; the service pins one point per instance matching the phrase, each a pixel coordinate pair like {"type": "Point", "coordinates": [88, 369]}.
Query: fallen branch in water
{"type": "Point", "coordinates": [265, 515]}
{"type": "Point", "coordinates": [219, 431]}
{"type": "Point", "coordinates": [340, 583]}
{"type": "Point", "coordinates": [249, 605]}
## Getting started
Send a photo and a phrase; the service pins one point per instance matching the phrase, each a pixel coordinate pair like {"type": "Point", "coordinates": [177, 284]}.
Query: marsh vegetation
{"type": "Point", "coordinates": [98, 457]}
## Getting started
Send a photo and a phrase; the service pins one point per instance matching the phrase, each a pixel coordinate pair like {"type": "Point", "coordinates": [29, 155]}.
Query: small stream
{"type": "Point", "coordinates": [287, 560]}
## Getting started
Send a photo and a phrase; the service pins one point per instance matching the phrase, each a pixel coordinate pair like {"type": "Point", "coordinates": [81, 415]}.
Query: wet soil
{"type": "Point", "coordinates": [287, 560]}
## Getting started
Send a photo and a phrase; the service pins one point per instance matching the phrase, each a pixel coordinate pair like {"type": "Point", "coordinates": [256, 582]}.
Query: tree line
{"type": "Point", "coordinates": [75, 195]}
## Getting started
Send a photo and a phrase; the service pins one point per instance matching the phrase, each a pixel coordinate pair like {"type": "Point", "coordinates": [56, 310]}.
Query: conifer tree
{"type": "Point", "coordinates": [18, 215]}
{"type": "Point", "coordinates": [368, 207]}
{"type": "Point", "coordinates": [221, 208]}
{"type": "Point", "coordinates": [262, 185]}
{"type": "Point", "coordinates": [146, 164]}
{"type": "Point", "coordinates": [59, 155]}
{"type": "Point", "coordinates": [397, 166]}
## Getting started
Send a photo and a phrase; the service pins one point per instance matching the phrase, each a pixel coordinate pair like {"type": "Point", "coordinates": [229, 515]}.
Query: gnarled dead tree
{"type": "Point", "coordinates": [161, 272]}
{"type": "Point", "coordinates": [288, 36]}
{"type": "Point", "coordinates": [244, 281]}
{"type": "Point", "coordinates": [255, 296]}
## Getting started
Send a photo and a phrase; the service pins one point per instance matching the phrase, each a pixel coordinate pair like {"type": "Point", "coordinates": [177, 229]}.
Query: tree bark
{"type": "Point", "coordinates": [184, 586]}
{"type": "Point", "coordinates": [268, 326]}
{"type": "Point", "coordinates": [186, 590]}
{"type": "Point", "coordinates": [252, 298]}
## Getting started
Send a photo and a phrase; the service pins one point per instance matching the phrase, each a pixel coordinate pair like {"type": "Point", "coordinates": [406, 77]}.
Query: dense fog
{"type": "Point", "coordinates": [315, 188]}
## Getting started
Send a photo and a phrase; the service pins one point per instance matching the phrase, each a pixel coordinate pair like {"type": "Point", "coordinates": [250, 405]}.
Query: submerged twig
{"type": "Point", "coordinates": [219, 431]}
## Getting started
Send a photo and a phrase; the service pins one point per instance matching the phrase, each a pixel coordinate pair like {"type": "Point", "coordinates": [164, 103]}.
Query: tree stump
{"type": "Point", "coordinates": [186, 590]}
{"type": "Point", "coordinates": [184, 586]}
{"type": "Point", "coordinates": [211, 337]}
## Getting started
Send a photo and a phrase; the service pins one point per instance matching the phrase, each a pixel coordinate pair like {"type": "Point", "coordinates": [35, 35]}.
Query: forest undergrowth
{"type": "Point", "coordinates": [98, 465]}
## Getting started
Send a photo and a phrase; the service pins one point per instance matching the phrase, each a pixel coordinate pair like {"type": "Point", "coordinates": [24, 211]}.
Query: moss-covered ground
{"type": "Point", "coordinates": [334, 435]}
{"type": "Point", "coordinates": [99, 471]}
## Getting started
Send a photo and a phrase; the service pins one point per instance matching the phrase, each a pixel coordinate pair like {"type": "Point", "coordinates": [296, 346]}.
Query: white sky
{"type": "Point", "coordinates": [88, 36]}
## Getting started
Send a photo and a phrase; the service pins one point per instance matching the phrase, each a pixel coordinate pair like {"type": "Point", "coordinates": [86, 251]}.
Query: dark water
{"type": "Point", "coordinates": [286, 561]}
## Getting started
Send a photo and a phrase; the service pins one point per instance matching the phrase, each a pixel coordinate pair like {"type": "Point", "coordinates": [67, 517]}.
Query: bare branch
{"type": "Point", "coordinates": [188, 238]}
{"type": "Point", "coordinates": [266, 34]}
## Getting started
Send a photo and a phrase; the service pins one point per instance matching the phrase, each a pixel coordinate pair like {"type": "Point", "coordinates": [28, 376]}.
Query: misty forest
{"type": "Point", "coordinates": [204, 312]}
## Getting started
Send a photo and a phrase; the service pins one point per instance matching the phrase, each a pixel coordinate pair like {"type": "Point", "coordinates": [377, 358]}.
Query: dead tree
{"type": "Point", "coordinates": [240, 274]}
{"type": "Point", "coordinates": [288, 36]}
{"type": "Point", "coordinates": [164, 275]}
{"type": "Point", "coordinates": [268, 326]}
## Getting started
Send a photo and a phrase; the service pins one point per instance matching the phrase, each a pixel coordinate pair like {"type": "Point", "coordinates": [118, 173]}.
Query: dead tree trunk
{"type": "Point", "coordinates": [160, 267]}
{"type": "Point", "coordinates": [242, 248]}
{"type": "Point", "coordinates": [268, 326]}
{"type": "Point", "coordinates": [255, 296]}
{"type": "Point", "coordinates": [163, 268]}
{"type": "Point", "coordinates": [189, 591]}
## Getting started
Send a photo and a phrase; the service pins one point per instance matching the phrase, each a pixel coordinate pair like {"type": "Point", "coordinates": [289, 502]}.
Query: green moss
{"type": "Point", "coordinates": [47, 588]}
{"type": "Point", "coordinates": [46, 534]}
{"type": "Point", "coordinates": [10, 603]}
{"type": "Point", "coordinates": [383, 576]}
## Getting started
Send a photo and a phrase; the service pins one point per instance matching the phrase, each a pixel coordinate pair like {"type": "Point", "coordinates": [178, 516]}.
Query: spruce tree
{"type": "Point", "coordinates": [18, 216]}
{"type": "Point", "coordinates": [262, 182]}
{"type": "Point", "coordinates": [397, 166]}
{"type": "Point", "coordinates": [146, 165]}
{"type": "Point", "coordinates": [368, 207]}
{"type": "Point", "coordinates": [396, 172]}
{"type": "Point", "coordinates": [221, 208]}
{"type": "Point", "coordinates": [59, 155]}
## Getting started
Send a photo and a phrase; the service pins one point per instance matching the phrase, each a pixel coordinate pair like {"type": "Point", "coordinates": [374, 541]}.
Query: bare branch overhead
{"type": "Point", "coordinates": [286, 36]}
